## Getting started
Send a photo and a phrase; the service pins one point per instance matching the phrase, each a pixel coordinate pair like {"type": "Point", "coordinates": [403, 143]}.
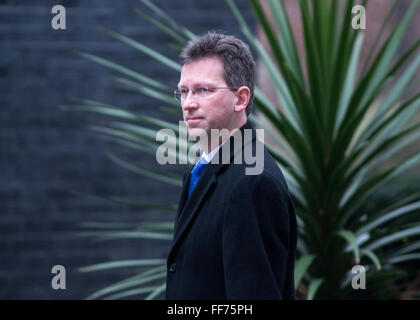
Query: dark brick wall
{"type": "Point", "coordinates": [45, 153]}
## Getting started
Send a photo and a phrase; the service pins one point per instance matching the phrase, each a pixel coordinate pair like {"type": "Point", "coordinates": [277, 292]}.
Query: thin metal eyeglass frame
{"type": "Point", "coordinates": [178, 92]}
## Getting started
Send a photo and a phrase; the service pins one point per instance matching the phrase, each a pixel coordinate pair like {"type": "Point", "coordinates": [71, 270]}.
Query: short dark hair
{"type": "Point", "coordinates": [238, 62]}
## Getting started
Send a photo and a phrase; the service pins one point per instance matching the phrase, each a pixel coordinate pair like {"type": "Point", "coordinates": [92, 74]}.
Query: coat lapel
{"type": "Point", "coordinates": [188, 207]}
{"type": "Point", "coordinates": [184, 195]}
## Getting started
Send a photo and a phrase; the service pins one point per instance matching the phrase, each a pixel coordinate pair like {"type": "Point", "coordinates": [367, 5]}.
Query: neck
{"type": "Point", "coordinates": [210, 145]}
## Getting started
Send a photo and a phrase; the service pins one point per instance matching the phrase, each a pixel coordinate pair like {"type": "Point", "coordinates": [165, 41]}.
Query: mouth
{"type": "Point", "coordinates": [194, 119]}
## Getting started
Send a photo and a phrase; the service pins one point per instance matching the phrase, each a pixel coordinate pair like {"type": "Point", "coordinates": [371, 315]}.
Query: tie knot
{"type": "Point", "coordinates": [199, 167]}
{"type": "Point", "coordinates": [196, 173]}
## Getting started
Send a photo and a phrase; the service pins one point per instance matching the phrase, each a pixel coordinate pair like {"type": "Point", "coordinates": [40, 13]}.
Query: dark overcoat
{"type": "Point", "coordinates": [235, 235]}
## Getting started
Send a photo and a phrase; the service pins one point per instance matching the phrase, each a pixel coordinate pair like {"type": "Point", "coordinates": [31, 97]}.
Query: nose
{"type": "Point", "coordinates": [189, 102]}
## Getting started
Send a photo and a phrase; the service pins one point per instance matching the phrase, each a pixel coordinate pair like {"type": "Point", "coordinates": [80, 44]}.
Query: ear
{"type": "Point", "coordinates": [243, 94]}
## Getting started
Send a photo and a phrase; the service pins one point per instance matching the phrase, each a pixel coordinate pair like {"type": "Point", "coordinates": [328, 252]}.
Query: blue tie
{"type": "Point", "coordinates": [196, 173]}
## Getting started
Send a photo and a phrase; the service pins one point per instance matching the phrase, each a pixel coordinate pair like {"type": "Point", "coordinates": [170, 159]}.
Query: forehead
{"type": "Point", "coordinates": [205, 70]}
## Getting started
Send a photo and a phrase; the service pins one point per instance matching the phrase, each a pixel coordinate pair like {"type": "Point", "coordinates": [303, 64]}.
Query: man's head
{"type": "Point", "coordinates": [220, 71]}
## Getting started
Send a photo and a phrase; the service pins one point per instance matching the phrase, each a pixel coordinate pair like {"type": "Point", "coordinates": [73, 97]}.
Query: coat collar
{"type": "Point", "coordinates": [187, 208]}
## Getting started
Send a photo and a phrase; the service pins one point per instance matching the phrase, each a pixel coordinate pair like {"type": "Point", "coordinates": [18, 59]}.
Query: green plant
{"type": "Point", "coordinates": [337, 130]}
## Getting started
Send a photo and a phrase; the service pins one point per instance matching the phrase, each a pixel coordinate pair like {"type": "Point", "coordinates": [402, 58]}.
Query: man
{"type": "Point", "coordinates": [235, 233]}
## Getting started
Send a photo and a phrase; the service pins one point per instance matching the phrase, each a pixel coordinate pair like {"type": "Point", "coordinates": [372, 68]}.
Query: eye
{"type": "Point", "coordinates": [183, 91]}
{"type": "Point", "coordinates": [204, 90]}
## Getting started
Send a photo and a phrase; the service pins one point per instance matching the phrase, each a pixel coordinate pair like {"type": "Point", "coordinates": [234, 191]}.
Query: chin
{"type": "Point", "coordinates": [196, 132]}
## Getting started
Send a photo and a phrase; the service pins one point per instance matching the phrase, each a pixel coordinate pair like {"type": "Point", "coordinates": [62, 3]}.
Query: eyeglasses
{"type": "Point", "coordinates": [201, 92]}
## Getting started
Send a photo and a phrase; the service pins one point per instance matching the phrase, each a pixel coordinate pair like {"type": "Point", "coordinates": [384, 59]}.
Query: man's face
{"type": "Point", "coordinates": [214, 111]}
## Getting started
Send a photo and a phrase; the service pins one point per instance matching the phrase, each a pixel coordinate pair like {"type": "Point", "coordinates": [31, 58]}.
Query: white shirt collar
{"type": "Point", "coordinates": [210, 156]}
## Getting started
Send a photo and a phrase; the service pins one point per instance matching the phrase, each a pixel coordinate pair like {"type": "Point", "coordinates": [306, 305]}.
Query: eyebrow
{"type": "Point", "coordinates": [203, 83]}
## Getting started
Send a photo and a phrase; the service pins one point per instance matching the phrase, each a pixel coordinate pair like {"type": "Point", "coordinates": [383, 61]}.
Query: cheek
{"type": "Point", "coordinates": [227, 108]}
{"type": "Point", "coordinates": [219, 111]}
